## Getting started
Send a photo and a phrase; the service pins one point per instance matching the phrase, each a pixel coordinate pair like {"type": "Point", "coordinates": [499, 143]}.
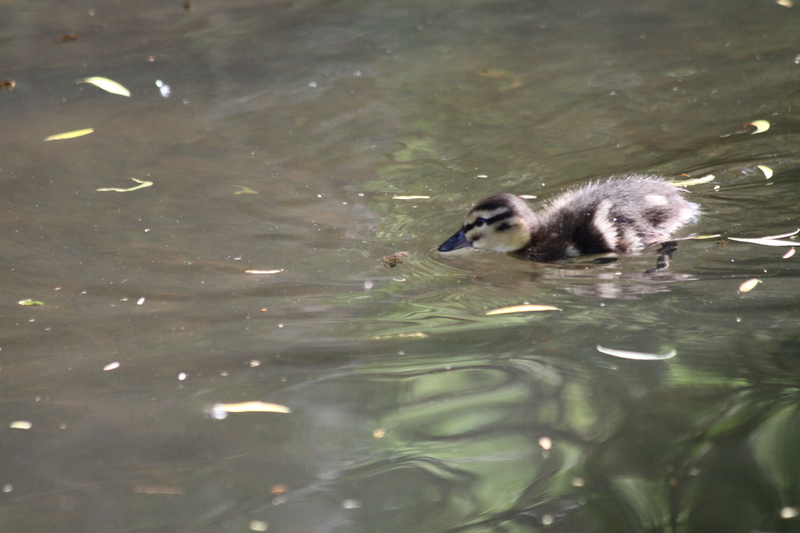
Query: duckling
{"type": "Point", "coordinates": [622, 214]}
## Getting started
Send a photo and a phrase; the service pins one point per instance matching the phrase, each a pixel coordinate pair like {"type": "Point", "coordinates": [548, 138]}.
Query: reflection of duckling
{"type": "Point", "coordinates": [619, 215]}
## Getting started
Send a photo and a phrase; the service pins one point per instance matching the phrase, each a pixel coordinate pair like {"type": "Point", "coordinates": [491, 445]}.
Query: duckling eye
{"type": "Point", "coordinates": [480, 221]}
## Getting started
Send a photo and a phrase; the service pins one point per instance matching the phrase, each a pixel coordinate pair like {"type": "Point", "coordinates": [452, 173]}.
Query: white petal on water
{"type": "Point", "coordinates": [20, 424]}
{"type": "Point", "coordinates": [782, 235]}
{"type": "Point", "coordinates": [276, 271]}
{"type": "Point", "coordinates": [527, 308]}
{"type": "Point", "coordinates": [788, 254]}
{"type": "Point", "coordinates": [250, 407]}
{"type": "Point", "coordinates": [766, 170]}
{"type": "Point", "coordinates": [142, 185]}
{"type": "Point", "coordinates": [410, 197]}
{"type": "Point", "coordinates": [765, 242]}
{"type": "Point", "coordinates": [637, 356]}
{"type": "Point", "coordinates": [106, 84]}
{"type": "Point", "coordinates": [749, 285]}
{"type": "Point", "coordinates": [760, 126]}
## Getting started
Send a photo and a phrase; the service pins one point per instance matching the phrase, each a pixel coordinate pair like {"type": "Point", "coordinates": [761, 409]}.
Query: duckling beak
{"type": "Point", "coordinates": [456, 242]}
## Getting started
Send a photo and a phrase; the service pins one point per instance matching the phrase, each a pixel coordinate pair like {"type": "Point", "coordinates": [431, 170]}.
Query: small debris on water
{"type": "Point", "coordinates": [397, 258]}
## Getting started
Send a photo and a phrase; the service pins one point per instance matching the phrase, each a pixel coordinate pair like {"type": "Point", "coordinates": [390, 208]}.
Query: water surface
{"type": "Point", "coordinates": [287, 132]}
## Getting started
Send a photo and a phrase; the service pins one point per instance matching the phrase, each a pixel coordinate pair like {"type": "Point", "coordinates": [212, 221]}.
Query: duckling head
{"type": "Point", "coordinates": [502, 223]}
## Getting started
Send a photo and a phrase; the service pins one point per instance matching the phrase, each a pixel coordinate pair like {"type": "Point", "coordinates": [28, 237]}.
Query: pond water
{"type": "Point", "coordinates": [276, 138]}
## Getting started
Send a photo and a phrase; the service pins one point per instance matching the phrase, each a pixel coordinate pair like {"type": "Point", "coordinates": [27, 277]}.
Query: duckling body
{"type": "Point", "coordinates": [618, 215]}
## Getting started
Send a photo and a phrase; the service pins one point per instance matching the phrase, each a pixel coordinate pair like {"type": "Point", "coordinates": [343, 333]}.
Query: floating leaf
{"type": "Point", "coordinates": [782, 235]}
{"type": "Point", "coordinates": [276, 271]}
{"type": "Point", "coordinates": [637, 356]}
{"type": "Point", "coordinates": [785, 3]}
{"type": "Point", "coordinates": [20, 424]}
{"type": "Point", "coordinates": [142, 185]}
{"type": "Point", "coordinates": [788, 254]}
{"type": "Point", "coordinates": [7, 85]}
{"type": "Point", "coordinates": [69, 135]}
{"type": "Point", "coordinates": [512, 81]}
{"type": "Point", "coordinates": [254, 525]}
{"type": "Point", "coordinates": [409, 335]}
{"type": "Point", "coordinates": [30, 302]}
{"type": "Point", "coordinates": [68, 38]}
{"type": "Point", "coordinates": [111, 366]}
{"type": "Point", "coordinates": [250, 407]}
{"type": "Point", "coordinates": [749, 285]}
{"type": "Point", "coordinates": [410, 197]}
{"type": "Point", "coordinates": [770, 240]}
{"type": "Point", "coordinates": [760, 125]}
{"type": "Point", "coordinates": [693, 181]}
{"type": "Point", "coordinates": [245, 190]}
{"type": "Point", "coordinates": [106, 84]}
{"type": "Point", "coordinates": [766, 170]}
{"type": "Point", "coordinates": [701, 237]}
{"type": "Point", "coordinates": [766, 242]}
{"type": "Point", "coordinates": [521, 309]}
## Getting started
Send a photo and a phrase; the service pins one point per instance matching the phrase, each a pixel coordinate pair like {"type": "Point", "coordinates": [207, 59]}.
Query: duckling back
{"type": "Point", "coordinates": [619, 215]}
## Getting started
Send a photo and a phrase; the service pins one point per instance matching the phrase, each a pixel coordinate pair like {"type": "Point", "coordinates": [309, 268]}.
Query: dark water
{"type": "Point", "coordinates": [411, 409]}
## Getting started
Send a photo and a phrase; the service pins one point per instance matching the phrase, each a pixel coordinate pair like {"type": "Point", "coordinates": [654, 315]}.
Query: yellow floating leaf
{"type": "Point", "coordinates": [410, 197]}
{"type": "Point", "coordinates": [788, 254]}
{"type": "Point", "coordinates": [701, 237]}
{"type": "Point", "coordinates": [245, 190]}
{"type": "Point", "coordinates": [693, 181]}
{"type": "Point", "coordinates": [69, 135]}
{"type": "Point", "coordinates": [277, 271]}
{"type": "Point", "coordinates": [250, 407]}
{"type": "Point", "coordinates": [20, 424]}
{"type": "Point", "coordinates": [749, 285]}
{"type": "Point", "coordinates": [142, 185]}
{"type": "Point", "coordinates": [521, 309]}
{"type": "Point", "coordinates": [766, 170]}
{"type": "Point", "coordinates": [760, 125]}
{"type": "Point", "coordinates": [106, 84]}
{"type": "Point", "coordinates": [637, 356]}
{"type": "Point", "coordinates": [28, 301]}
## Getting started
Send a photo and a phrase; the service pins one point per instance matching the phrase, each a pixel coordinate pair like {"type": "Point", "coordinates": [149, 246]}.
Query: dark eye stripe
{"type": "Point", "coordinates": [490, 221]}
